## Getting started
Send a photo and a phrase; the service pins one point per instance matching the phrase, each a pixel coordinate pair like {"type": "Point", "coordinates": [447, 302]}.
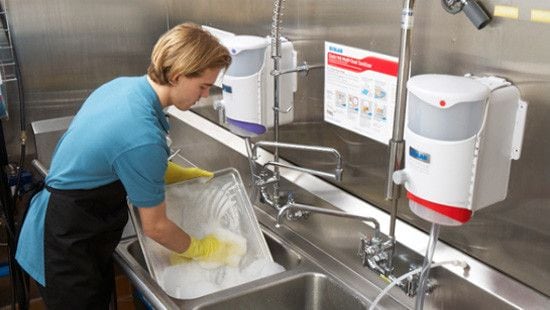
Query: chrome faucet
{"type": "Point", "coordinates": [337, 175]}
{"type": "Point", "coordinates": [338, 170]}
{"type": "Point", "coordinates": [374, 251]}
{"type": "Point", "coordinates": [264, 178]}
{"type": "Point", "coordinates": [300, 208]}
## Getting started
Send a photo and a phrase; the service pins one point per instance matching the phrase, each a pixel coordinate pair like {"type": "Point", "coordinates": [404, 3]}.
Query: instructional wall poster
{"type": "Point", "coordinates": [360, 90]}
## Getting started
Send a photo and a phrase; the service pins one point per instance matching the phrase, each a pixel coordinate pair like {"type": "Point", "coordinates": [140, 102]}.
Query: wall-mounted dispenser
{"type": "Point", "coordinates": [461, 135]}
{"type": "Point", "coordinates": [248, 85]}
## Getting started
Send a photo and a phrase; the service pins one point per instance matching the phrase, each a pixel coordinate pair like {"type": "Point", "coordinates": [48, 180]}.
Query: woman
{"type": "Point", "coordinates": [115, 149]}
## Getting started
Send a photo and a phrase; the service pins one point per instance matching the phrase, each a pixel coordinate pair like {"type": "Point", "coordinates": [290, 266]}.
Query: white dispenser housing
{"type": "Point", "coordinates": [461, 135]}
{"type": "Point", "coordinates": [247, 85]}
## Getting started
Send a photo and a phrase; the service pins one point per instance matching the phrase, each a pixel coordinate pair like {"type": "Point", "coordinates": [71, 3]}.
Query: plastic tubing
{"type": "Point", "coordinates": [423, 279]}
{"type": "Point", "coordinates": [410, 273]}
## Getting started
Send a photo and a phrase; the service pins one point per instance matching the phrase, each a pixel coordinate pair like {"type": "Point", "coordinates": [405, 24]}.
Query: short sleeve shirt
{"type": "Point", "coordinates": [118, 134]}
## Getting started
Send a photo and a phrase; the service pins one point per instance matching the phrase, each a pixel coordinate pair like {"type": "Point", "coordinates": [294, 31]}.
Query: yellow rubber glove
{"type": "Point", "coordinates": [176, 173]}
{"type": "Point", "coordinates": [212, 250]}
{"type": "Point", "coordinates": [199, 249]}
{"type": "Point", "coordinates": [202, 248]}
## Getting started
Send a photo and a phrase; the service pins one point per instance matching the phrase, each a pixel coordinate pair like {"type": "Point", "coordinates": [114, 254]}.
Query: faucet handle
{"type": "Point", "coordinates": [374, 255]}
{"type": "Point", "coordinates": [368, 248]}
{"type": "Point", "coordinates": [410, 284]}
{"type": "Point", "coordinates": [297, 214]}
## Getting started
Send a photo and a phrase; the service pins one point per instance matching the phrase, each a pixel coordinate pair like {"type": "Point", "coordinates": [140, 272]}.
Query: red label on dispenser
{"type": "Point", "coordinates": [459, 214]}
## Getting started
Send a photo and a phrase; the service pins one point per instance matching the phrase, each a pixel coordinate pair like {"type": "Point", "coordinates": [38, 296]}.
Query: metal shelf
{"type": "Point", "coordinates": [8, 61]}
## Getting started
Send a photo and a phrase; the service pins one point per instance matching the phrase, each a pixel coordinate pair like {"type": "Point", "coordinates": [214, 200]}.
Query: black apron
{"type": "Point", "coordinates": [81, 232]}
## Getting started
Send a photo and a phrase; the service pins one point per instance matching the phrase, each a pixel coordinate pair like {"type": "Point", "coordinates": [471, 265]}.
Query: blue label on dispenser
{"type": "Point", "coordinates": [227, 88]}
{"type": "Point", "coordinates": [423, 157]}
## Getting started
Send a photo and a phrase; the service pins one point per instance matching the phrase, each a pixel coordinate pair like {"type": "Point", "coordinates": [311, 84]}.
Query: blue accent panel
{"type": "Point", "coordinates": [252, 127]}
{"type": "Point", "coordinates": [227, 89]}
{"type": "Point", "coordinates": [423, 157]}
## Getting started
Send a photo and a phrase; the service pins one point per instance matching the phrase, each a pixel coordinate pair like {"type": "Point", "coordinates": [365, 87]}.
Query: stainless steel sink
{"type": "Point", "coordinates": [311, 291]}
{"type": "Point", "coordinates": [304, 285]}
{"type": "Point", "coordinates": [315, 277]}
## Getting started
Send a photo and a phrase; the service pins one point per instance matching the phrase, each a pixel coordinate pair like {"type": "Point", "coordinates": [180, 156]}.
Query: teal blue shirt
{"type": "Point", "coordinates": [119, 133]}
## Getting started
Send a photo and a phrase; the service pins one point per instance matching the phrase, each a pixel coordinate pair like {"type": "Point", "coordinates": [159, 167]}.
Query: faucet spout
{"type": "Point", "coordinates": [374, 251]}
{"type": "Point", "coordinates": [336, 175]}
{"type": "Point", "coordinates": [301, 207]}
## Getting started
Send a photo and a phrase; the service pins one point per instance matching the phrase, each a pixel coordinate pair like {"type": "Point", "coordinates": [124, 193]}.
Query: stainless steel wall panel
{"type": "Point", "coordinates": [67, 44]}
{"type": "Point", "coordinates": [67, 48]}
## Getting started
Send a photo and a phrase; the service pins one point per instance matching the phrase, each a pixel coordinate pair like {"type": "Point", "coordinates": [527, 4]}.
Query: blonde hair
{"type": "Point", "coordinates": [186, 50]}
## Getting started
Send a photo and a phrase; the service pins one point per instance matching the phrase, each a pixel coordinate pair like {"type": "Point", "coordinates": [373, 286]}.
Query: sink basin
{"type": "Point", "coordinates": [301, 286]}
{"type": "Point", "coordinates": [281, 255]}
{"type": "Point", "coordinates": [309, 291]}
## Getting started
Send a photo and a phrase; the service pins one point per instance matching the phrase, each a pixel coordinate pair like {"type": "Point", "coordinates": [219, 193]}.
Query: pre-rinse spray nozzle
{"type": "Point", "coordinates": [473, 10]}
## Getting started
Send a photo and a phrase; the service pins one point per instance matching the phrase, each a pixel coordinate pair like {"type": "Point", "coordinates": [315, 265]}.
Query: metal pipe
{"type": "Point", "coordinates": [252, 166]}
{"type": "Point", "coordinates": [40, 167]}
{"type": "Point", "coordinates": [336, 176]}
{"type": "Point", "coordinates": [267, 199]}
{"type": "Point", "coordinates": [251, 163]}
{"type": "Point", "coordinates": [276, 29]}
{"type": "Point", "coordinates": [308, 208]}
{"type": "Point", "coordinates": [176, 152]}
{"type": "Point", "coordinates": [305, 67]}
{"type": "Point", "coordinates": [276, 56]}
{"type": "Point", "coordinates": [314, 148]}
{"type": "Point", "coordinates": [396, 143]}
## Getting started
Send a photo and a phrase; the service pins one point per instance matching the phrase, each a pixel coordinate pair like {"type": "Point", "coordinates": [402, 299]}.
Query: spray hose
{"type": "Point", "coordinates": [459, 263]}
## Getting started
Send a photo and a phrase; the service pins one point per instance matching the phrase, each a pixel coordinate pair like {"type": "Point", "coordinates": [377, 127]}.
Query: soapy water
{"type": "Point", "coordinates": [217, 207]}
{"type": "Point", "coordinates": [192, 280]}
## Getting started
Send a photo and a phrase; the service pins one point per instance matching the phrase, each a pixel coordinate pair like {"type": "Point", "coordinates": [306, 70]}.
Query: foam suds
{"type": "Point", "coordinates": [234, 252]}
{"type": "Point", "coordinates": [191, 280]}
